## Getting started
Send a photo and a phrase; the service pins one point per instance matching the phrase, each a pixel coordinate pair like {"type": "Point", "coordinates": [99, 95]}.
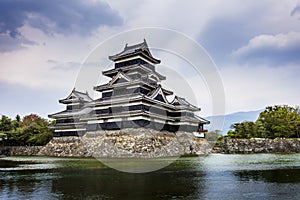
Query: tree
{"type": "Point", "coordinates": [279, 121]}
{"type": "Point", "coordinates": [243, 130]}
{"type": "Point", "coordinates": [32, 130]}
{"type": "Point", "coordinates": [274, 121]}
{"type": "Point", "coordinates": [18, 118]}
{"type": "Point", "coordinates": [29, 119]}
{"type": "Point", "coordinates": [17, 122]}
{"type": "Point", "coordinates": [5, 124]}
{"type": "Point", "coordinates": [36, 129]}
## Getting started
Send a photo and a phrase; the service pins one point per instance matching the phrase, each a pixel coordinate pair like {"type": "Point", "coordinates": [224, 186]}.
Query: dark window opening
{"type": "Point", "coordinates": [106, 94]}
{"type": "Point", "coordinates": [133, 62]}
{"type": "Point", "coordinates": [74, 107]}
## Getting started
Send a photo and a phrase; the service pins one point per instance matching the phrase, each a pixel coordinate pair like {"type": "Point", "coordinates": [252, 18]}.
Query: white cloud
{"type": "Point", "coordinates": [241, 21]}
{"type": "Point", "coordinates": [29, 67]}
{"type": "Point", "coordinates": [186, 17]}
{"type": "Point", "coordinates": [276, 49]}
{"type": "Point", "coordinates": [277, 42]}
{"type": "Point", "coordinates": [249, 27]}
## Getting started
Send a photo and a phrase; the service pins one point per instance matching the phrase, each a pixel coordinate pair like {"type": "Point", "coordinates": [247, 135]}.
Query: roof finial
{"type": "Point", "coordinates": [126, 45]}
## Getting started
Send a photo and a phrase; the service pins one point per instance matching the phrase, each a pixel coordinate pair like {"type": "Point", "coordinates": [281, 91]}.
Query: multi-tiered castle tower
{"type": "Point", "coordinates": [133, 98]}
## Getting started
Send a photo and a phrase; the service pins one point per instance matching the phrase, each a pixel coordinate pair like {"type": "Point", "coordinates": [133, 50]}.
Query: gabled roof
{"type": "Point", "coordinates": [75, 97]}
{"type": "Point", "coordinates": [179, 101]}
{"type": "Point", "coordinates": [141, 48]}
{"type": "Point", "coordinates": [158, 91]}
{"type": "Point", "coordinates": [120, 75]}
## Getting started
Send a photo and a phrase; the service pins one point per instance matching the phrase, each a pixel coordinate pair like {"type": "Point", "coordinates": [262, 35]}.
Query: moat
{"type": "Point", "coordinates": [216, 176]}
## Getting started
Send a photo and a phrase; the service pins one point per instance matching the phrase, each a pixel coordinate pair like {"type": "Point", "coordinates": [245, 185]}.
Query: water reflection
{"type": "Point", "coordinates": [109, 183]}
{"type": "Point", "coordinates": [26, 185]}
{"type": "Point", "coordinates": [211, 177]}
{"type": "Point", "coordinates": [272, 176]}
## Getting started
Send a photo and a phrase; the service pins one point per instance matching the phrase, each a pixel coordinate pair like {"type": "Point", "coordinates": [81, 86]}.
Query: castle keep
{"type": "Point", "coordinates": [133, 98]}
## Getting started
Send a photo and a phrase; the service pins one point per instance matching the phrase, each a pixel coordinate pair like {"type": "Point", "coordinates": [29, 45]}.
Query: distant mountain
{"type": "Point", "coordinates": [235, 118]}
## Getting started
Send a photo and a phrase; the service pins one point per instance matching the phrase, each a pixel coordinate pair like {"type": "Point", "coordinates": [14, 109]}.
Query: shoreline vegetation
{"type": "Point", "coordinates": [279, 121]}
{"type": "Point", "coordinates": [277, 130]}
{"type": "Point", "coordinates": [32, 130]}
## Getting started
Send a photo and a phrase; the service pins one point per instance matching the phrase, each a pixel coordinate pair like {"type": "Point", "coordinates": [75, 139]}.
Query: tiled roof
{"type": "Point", "coordinates": [179, 101]}
{"type": "Point", "coordinates": [76, 96]}
{"type": "Point", "coordinates": [132, 49]}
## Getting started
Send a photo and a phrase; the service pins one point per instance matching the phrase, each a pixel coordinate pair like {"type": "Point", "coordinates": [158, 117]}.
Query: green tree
{"type": "Point", "coordinates": [37, 130]}
{"type": "Point", "coordinates": [5, 124]}
{"type": "Point", "coordinates": [274, 121]}
{"type": "Point", "coordinates": [243, 130]}
{"type": "Point", "coordinates": [32, 130]}
{"type": "Point", "coordinates": [17, 122]}
{"type": "Point", "coordinates": [279, 121]}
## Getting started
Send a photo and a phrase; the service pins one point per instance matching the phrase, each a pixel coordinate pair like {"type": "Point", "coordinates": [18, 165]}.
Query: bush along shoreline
{"type": "Point", "coordinates": [274, 122]}
{"type": "Point", "coordinates": [32, 130]}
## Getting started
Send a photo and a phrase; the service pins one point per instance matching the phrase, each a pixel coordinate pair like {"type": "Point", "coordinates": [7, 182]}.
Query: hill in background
{"type": "Point", "coordinates": [235, 118]}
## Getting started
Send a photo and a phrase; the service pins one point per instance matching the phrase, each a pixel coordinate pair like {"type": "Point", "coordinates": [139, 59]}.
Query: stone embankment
{"type": "Point", "coordinates": [146, 143]}
{"type": "Point", "coordinates": [257, 145]}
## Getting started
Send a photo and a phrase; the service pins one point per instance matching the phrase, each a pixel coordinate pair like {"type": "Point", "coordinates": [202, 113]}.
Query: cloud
{"type": "Point", "coordinates": [54, 17]}
{"type": "Point", "coordinates": [63, 26]}
{"type": "Point", "coordinates": [271, 49]}
{"type": "Point", "coordinates": [9, 43]}
{"type": "Point", "coordinates": [296, 12]}
{"type": "Point", "coordinates": [223, 34]}
{"type": "Point", "coordinates": [231, 28]}
{"type": "Point", "coordinates": [66, 66]}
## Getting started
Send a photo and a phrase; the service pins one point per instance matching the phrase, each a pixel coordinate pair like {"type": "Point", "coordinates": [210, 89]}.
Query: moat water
{"type": "Point", "coordinates": [257, 176]}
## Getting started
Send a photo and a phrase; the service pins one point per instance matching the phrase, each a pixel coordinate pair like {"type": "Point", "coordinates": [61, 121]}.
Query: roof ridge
{"type": "Point", "coordinates": [136, 45]}
{"type": "Point", "coordinates": [130, 50]}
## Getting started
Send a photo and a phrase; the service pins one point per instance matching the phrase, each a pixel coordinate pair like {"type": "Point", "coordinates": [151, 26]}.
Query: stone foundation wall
{"type": "Point", "coordinates": [20, 150]}
{"type": "Point", "coordinates": [257, 145]}
{"type": "Point", "coordinates": [146, 143]}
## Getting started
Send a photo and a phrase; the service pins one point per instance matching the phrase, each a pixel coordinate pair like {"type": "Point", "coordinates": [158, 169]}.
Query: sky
{"type": "Point", "coordinates": [255, 45]}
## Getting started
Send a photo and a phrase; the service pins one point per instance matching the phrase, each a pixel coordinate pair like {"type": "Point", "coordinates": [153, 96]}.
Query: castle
{"type": "Point", "coordinates": [133, 98]}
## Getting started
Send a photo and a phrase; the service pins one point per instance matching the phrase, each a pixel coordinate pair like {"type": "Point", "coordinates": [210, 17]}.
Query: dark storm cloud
{"type": "Point", "coordinates": [57, 16]}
